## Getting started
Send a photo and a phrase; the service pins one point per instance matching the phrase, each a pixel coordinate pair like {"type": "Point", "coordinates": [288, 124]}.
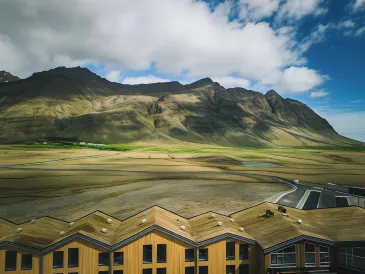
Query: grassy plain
{"type": "Point", "coordinates": [69, 183]}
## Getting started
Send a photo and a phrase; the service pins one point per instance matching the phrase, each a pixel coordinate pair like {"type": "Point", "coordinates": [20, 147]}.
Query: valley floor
{"type": "Point", "coordinates": [69, 183]}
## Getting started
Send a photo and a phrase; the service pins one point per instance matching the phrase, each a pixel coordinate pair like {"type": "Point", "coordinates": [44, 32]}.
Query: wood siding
{"type": "Point", "coordinates": [88, 259]}
{"type": "Point", "coordinates": [217, 257]}
{"type": "Point", "coordinates": [35, 261]}
{"type": "Point", "coordinates": [175, 249]}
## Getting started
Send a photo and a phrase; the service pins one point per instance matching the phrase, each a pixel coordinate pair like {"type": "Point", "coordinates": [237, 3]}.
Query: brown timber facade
{"type": "Point", "coordinates": [157, 241]}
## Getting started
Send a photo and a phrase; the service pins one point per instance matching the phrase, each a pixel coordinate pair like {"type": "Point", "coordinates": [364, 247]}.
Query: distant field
{"type": "Point", "coordinates": [188, 180]}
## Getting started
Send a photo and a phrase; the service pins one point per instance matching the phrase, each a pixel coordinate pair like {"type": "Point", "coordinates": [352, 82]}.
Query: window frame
{"type": "Point", "coordinates": [31, 262]}
{"type": "Point", "coordinates": [63, 259]}
{"type": "Point", "coordinates": [69, 265]}
{"type": "Point", "coordinates": [247, 253]}
{"type": "Point", "coordinates": [8, 253]}
{"type": "Point", "coordinates": [143, 254]}
{"type": "Point", "coordinates": [203, 259]}
{"type": "Point", "coordinates": [188, 250]}
{"type": "Point", "coordinates": [280, 252]}
{"type": "Point", "coordinates": [327, 264]}
{"type": "Point", "coordinates": [164, 260]}
{"type": "Point", "coordinates": [122, 258]}
{"type": "Point", "coordinates": [350, 255]}
{"type": "Point", "coordinates": [229, 245]}
{"type": "Point", "coordinates": [100, 257]}
{"type": "Point", "coordinates": [309, 252]}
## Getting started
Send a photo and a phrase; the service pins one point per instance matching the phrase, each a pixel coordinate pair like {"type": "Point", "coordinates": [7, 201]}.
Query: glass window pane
{"type": "Point", "coordinates": [10, 260]}
{"type": "Point", "coordinates": [244, 269]}
{"type": "Point", "coordinates": [58, 259]}
{"type": "Point", "coordinates": [230, 250]}
{"type": "Point", "coordinates": [147, 271]}
{"type": "Point", "coordinates": [27, 261]}
{"type": "Point", "coordinates": [73, 257]}
{"type": "Point", "coordinates": [243, 252]}
{"type": "Point", "coordinates": [118, 258]}
{"type": "Point", "coordinates": [323, 249]}
{"type": "Point", "coordinates": [189, 255]}
{"type": "Point", "coordinates": [190, 270]}
{"type": "Point", "coordinates": [118, 272]}
{"type": "Point", "coordinates": [147, 254]}
{"type": "Point", "coordinates": [161, 270]}
{"type": "Point", "coordinates": [309, 248]}
{"type": "Point", "coordinates": [230, 269]}
{"type": "Point", "coordinates": [203, 269]}
{"type": "Point", "coordinates": [161, 253]}
{"type": "Point", "coordinates": [104, 259]}
{"type": "Point", "coordinates": [203, 254]}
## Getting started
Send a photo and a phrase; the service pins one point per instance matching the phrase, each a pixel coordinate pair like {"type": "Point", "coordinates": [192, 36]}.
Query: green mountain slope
{"type": "Point", "coordinates": [78, 104]}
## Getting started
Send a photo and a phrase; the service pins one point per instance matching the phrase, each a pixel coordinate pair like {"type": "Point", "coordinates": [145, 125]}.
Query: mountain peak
{"type": "Point", "coordinates": [272, 92]}
{"type": "Point", "coordinates": [201, 83]}
{"type": "Point", "coordinates": [7, 77]}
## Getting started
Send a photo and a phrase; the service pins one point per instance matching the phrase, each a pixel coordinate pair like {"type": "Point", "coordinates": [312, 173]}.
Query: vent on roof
{"type": "Point", "coordinates": [144, 221]}
{"type": "Point", "coordinates": [213, 215]}
{"type": "Point", "coordinates": [33, 221]}
{"type": "Point", "coordinates": [299, 221]}
{"type": "Point", "coordinates": [282, 209]}
{"type": "Point", "coordinates": [182, 227]}
{"type": "Point", "coordinates": [242, 229]}
{"type": "Point", "coordinates": [109, 221]}
{"type": "Point", "coordinates": [232, 220]}
{"type": "Point", "coordinates": [62, 233]}
{"type": "Point", "coordinates": [219, 223]}
{"type": "Point", "coordinates": [284, 214]}
{"type": "Point", "coordinates": [269, 213]}
{"type": "Point", "coordinates": [19, 229]}
{"type": "Point", "coordinates": [71, 224]}
{"type": "Point", "coordinates": [104, 230]}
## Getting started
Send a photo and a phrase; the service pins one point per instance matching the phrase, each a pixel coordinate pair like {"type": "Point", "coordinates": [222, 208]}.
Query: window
{"type": "Point", "coordinates": [58, 259]}
{"type": "Point", "coordinates": [161, 253]}
{"type": "Point", "coordinates": [285, 257]}
{"type": "Point", "coordinates": [27, 261]}
{"type": "Point", "coordinates": [147, 254]}
{"type": "Point", "coordinates": [324, 255]}
{"type": "Point", "coordinates": [244, 269]}
{"type": "Point", "coordinates": [161, 270]}
{"type": "Point", "coordinates": [118, 272]}
{"type": "Point", "coordinates": [147, 271]}
{"type": "Point", "coordinates": [189, 255]}
{"type": "Point", "coordinates": [103, 272]}
{"type": "Point", "coordinates": [10, 260]}
{"type": "Point", "coordinates": [104, 259]}
{"type": "Point", "coordinates": [190, 270]}
{"type": "Point", "coordinates": [310, 255]}
{"type": "Point", "coordinates": [203, 254]}
{"type": "Point", "coordinates": [203, 270]}
{"type": "Point", "coordinates": [118, 258]}
{"type": "Point", "coordinates": [243, 252]}
{"type": "Point", "coordinates": [73, 273]}
{"type": "Point", "coordinates": [230, 269]}
{"type": "Point", "coordinates": [230, 250]}
{"type": "Point", "coordinates": [73, 257]}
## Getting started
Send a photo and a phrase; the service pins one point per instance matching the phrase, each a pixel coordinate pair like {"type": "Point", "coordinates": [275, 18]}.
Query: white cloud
{"type": "Point", "coordinates": [360, 31]}
{"type": "Point", "coordinates": [148, 79]}
{"type": "Point", "coordinates": [113, 75]}
{"type": "Point", "coordinates": [357, 5]}
{"type": "Point", "coordinates": [319, 94]}
{"type": "Point", "coordinates": [346, 24]}
{"type": "Point", "coordinates": [232, 82]}
{"type": "Point", "coordinates": [298, 80]}
{"type": "Point", "coordinates": [134, 34]}
{"type": "Point", "coordinates": [257, 9]}
{"type": "Point", "coordinates": [297, 9]}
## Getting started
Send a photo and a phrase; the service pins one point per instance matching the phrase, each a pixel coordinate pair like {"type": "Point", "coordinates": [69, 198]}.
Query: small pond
{"type": "Point", "coordinates": [259, 164]}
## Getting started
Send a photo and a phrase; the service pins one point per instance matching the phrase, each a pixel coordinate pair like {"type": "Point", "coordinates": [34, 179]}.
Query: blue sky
{"type": "Point", "coordinates": [309, 50]}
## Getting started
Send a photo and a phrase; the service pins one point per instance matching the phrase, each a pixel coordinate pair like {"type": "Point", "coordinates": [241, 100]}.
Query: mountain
{"type": "Point", "coordinates": [7, 77]}
{"type": "Point", "coordinates": [74, 103]}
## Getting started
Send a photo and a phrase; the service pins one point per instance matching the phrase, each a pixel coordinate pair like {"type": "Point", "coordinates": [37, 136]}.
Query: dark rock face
{"type": "Point", "coordinates": [6, 77]}
{"type": "Point", "coordinates": [76, 103]}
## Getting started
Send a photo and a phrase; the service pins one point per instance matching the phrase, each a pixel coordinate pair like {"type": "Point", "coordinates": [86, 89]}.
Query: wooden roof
{"type": "Point", "coordinates": [332, 224]}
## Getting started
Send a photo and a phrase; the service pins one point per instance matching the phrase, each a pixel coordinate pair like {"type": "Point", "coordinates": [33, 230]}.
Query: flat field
{"type": "Point", "coordinates": [70, 183]}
